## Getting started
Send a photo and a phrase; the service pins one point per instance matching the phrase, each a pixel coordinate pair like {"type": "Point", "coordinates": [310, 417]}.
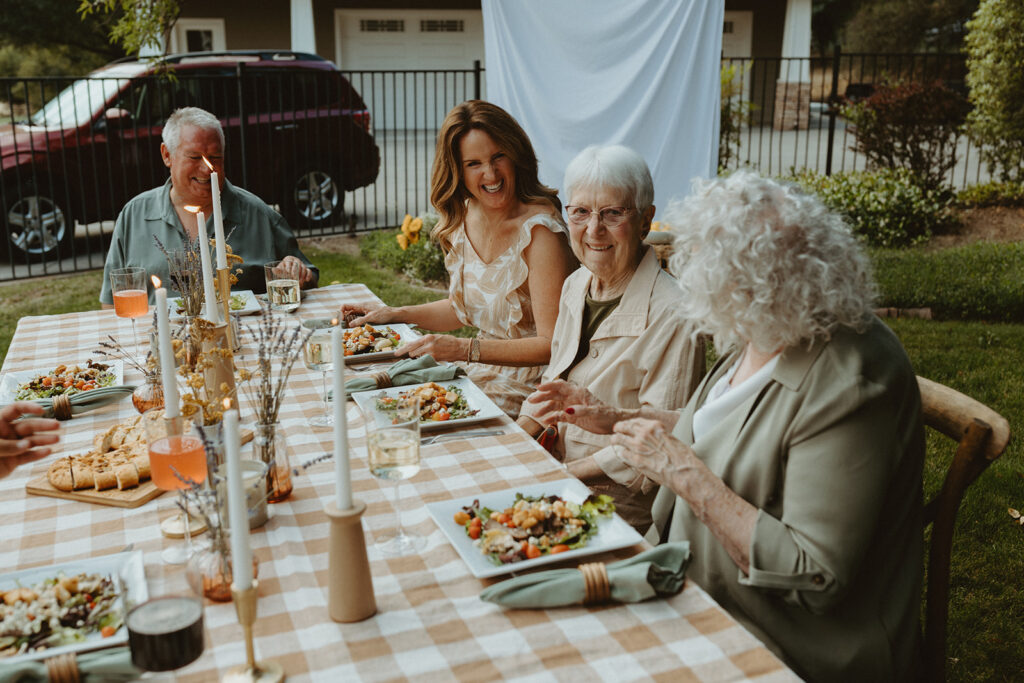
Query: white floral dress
{"type": "Point", "coordinates": [495, 298]}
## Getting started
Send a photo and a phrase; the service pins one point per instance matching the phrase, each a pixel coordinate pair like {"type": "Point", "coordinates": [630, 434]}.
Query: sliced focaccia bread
{"type": "Point", "coordinates": [60, 475]}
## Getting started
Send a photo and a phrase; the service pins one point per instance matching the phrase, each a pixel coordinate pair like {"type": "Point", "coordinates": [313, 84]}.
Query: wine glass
{"type": "Point", "coordinates": [283, 292]}
{"type": "Point", "coordinates": [394, 454]}
{"type": "Point", "coordinates": [131, 299]}
{"type": "Point", "coordinates": [174, 457]}
{"type": "Point", "coordinates": [317, 355]}
{"type": "Point", "coordinates": [166, 633]}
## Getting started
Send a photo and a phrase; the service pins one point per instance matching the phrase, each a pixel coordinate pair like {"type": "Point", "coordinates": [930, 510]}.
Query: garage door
{"type": "Point", "coordinates": [411, 66]}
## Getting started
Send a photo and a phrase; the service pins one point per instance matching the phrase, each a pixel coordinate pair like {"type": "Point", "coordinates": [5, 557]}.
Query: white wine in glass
{"type": "Point", "coordinates": [283, 292]}
{"type": "Point", "coordinates": [317, 355]}
{"type": "Point", "coordinates": [394, 455]}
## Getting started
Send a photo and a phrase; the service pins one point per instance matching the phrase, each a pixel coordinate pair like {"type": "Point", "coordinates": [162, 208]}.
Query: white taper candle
{"type": "Point", "coordinates": [166, 352]}
{"type": "Point", "coordinates": [218, 223]}
{"type": "Point", "coordinates": [212, 312]}
{"type": "Point", "coordinates": [238, 515]}
{"type": "Point", "coordinates": [342, 476]}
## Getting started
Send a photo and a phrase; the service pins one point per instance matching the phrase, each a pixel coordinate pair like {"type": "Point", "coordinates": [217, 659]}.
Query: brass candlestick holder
{"type": "Point", "coordinates": [350, 585]}
{"type": "Point", "coordinates": [219, 371]}
{"type": "Point", "coordinates": [224, 289]}
{"type": "Point", "coordinates": [267, 671]}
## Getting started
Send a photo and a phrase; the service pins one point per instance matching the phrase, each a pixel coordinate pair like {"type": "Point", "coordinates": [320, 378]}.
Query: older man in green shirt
{"type": "Point", "coordinates": [257, 233]}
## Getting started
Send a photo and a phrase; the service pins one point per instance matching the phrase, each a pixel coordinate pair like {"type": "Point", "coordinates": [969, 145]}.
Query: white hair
{"type": "Point", "coordinates": [760, 261]}
{"type": "Point", "coordinates": [611, 166]}
{"type": "Point", "coordinates": [189, 116]}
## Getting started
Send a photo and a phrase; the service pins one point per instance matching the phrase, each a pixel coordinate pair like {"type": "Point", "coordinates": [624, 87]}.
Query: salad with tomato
{"type": "Point", "coordinates": [69, 380]}
{"type": "Point", "coordinates": [437, 403]}
{"type": "Point", "coordinates": [57, 611]}
{"type": "Point", "coordinates": [533, 526]}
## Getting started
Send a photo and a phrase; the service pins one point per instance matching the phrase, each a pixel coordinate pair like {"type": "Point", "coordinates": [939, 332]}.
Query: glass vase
{"type": "Point", "coordinates": [209, 570]}
{"type": "Point", "coordinates": [271, 448]}
{"type": "Point", "coordinates": [149, 394]}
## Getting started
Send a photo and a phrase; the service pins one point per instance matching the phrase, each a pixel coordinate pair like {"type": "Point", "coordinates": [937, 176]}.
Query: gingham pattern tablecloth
{"type": "Point", "coordinates": [430, 622]}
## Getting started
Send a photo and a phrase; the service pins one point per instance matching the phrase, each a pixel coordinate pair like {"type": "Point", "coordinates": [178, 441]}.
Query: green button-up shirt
{"type": "Point", "coordinates": [255, 232]}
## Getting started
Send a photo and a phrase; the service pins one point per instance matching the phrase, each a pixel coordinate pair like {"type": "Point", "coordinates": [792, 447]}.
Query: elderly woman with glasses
{"type": "Point", "coordinates": [795, 469]}
{"type": "Point", "coordinates": [618, 332]}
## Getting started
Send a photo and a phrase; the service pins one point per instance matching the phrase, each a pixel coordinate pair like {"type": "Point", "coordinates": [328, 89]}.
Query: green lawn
{"type": "Point", "coordinates": [986, 361]}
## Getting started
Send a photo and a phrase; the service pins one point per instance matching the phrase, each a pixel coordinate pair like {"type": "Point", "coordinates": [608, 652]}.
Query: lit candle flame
{"type": "Point", "coordinates": [155, 280]}
{"type": "Point", "coordinates": [207, 162]}
{"type": "Point", "coordinates": [192, 208]}
{"type": "Point", "coordinates": [334, 321]}
{"type": "Point", "coordinates": [227, 403]}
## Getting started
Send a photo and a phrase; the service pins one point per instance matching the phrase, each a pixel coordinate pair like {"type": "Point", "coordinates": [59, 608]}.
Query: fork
{"type": "Point", "coordinates": [426, 441]}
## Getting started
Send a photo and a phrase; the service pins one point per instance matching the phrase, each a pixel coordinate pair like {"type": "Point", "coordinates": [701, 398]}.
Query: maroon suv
{"type": "Point", "coordinates": [297, 134]}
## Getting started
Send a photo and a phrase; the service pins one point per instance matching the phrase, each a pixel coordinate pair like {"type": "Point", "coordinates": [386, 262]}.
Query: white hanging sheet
{"type": "Point", "coordinates": [642, 73]}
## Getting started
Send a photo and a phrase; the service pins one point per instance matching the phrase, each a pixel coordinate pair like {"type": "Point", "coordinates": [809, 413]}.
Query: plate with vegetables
{"type": "Point", "coordinates": [243, 302]}
{"type": "Point", "coordinates": [73, 607]}
{"type": "Point", "coordinates": [446, 404]}
{"type": "Point", "coordinates": [527, 526]}
{"type": "Point", "coordinates": [369, 343]}
{"type": "Point", "coordinates": [64, 378]}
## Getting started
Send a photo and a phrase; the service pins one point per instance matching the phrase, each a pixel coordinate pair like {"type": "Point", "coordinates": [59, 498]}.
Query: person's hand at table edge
{"type": "Point", "coordinates": [24, 441]}
{"type": "Point", "coordinates": [443, 347]}
{"type": "Point", "coordinates": [354, 315]}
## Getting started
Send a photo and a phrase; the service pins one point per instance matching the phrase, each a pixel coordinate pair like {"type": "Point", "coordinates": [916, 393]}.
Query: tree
{"type": "Point", "coordinates": [995, 76]}
{"type": "Point", "coordinates": [138, 24]}
{"type": "Point", "coordinates": [893, 26]}
{"type": "Point", "coordinates": [56, 25]}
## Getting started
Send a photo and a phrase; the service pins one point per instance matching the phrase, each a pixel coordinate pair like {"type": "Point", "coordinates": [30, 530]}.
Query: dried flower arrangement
{"type": "Point", "coordinates": [263, 387]}
{"type": "Point", "coordinates": [149, 367]}
{"type": "Point", "coordinates": [186, 271]}
{"type": "Point", "coordinates": [207, 365]}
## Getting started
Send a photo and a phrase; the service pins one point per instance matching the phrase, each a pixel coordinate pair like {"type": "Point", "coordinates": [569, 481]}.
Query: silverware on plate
{"type": "Point", "coordinates": [452, 436]}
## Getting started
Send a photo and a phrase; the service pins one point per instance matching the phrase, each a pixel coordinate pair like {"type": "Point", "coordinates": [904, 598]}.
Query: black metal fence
{"type": "Point", "coordinates": [349, 154]}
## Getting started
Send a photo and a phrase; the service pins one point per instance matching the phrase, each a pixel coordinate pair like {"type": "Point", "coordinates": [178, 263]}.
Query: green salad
{"type": "Point", "coordinates": [437, 403]}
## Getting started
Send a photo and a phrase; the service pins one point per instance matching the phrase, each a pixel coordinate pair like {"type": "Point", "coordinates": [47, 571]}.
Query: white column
{"type": "Point", "coordinates": [303, 37]}
{"type": "Point", "coordinates": [796, 41]}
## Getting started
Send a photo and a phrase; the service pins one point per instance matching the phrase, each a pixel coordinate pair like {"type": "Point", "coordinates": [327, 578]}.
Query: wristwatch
{"type": "Point", "coordinates": [474, 350]}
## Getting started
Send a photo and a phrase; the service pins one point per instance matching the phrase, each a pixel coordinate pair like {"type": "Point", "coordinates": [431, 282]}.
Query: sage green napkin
{"type": "Point", "coordinates": [89, 400]}
{"type": "Point", "coordinates": [656, 572]}
{"type": "Point", "coordinates": [408, 371]}
{"type": "Point", "coordinates": [111, 665]}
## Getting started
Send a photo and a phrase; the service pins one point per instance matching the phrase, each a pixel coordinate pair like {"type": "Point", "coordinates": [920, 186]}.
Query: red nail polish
{"type": "Point", "coordinates": [570, 411]}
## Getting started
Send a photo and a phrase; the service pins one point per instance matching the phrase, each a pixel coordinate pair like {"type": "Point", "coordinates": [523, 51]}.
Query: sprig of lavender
{"type": "Point", "coordinates": [113, 349]}
{"type": "Point", "coordinates": [273, 337]}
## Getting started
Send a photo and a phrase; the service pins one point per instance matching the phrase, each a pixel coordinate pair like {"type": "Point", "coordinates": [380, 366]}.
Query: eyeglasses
{"type": "Point", "coordinates": [612, 216]}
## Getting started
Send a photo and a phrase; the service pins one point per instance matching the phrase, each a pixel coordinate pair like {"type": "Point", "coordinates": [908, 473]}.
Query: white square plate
{"type": "Point", "coordinates": [613, 532]}
{"type": "Point", "coordinates": [405, 334]}
{"type": "Point", "coordinates": [251, 304]}
{"type": "Point", "coordinates": [10, 382]}
{"type": "Point", "coordinates": [125, 568]}
{"type": "Point", "coordinates": [477, 400]}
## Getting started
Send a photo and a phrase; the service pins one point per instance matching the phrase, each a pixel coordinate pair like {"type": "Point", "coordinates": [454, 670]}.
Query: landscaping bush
{"type": "Point", "coordinates": [911, 125]}
{"type": "Point", "coordinates": [983, 281]}
{"type": "Point", "coordinates": [992, 193]}
{"type": "Point", "coordinates": [995, 75]}
{"type": "Point", "coordinates": [734, 113]}
{"type": "Point", "coordinates": [885, 208]}
{"type": "Point", "coordinates": [422, 260]}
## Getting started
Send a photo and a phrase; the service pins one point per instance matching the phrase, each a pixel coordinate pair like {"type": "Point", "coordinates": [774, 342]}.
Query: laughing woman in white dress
{"type": "Point", "coordinates": [506, 252]}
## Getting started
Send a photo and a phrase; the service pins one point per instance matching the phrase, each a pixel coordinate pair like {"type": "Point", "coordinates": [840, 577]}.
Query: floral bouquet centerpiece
{"type": "Point", "coordinates": [265, 388]}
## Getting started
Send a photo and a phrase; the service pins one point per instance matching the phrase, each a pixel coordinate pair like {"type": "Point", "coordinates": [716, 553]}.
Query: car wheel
{"type": "Point", "coordinates": [316, 200]}
{"type": "Point", "coordinates": [37, 226]}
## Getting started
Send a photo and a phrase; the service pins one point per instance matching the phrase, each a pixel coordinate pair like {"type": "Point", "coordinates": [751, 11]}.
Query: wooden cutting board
{"type": "Point", "coordinates": [127, 498]}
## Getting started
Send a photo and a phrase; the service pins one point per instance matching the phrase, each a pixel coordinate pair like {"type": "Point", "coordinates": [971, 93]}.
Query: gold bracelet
{"type": "Point", "coordinates": [474, 350]}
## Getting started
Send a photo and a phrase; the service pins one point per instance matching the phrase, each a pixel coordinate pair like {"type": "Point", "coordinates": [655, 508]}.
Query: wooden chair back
{"type": "Point", "coordinates": [981, 435]}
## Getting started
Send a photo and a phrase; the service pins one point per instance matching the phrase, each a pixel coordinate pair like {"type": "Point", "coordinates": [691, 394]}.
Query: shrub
{"type": "Point", "coordinates": [913, 125]}
{"type": "Point", "coordinates": [983, 281]}
{"type": "Point", "coordinates": [995, 75]}
{"type": "Point", "coordinates": [885, 208]}
{"type": "Point", "coordinates": [734, 111]}
{"type": "Point", "coordinates": [992, 193]}
{"type": "Point", "coordinates": [422, 260]}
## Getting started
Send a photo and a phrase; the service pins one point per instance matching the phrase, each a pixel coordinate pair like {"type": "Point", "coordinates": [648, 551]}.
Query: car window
{"type": "Point", "coordinates": [78, 103]}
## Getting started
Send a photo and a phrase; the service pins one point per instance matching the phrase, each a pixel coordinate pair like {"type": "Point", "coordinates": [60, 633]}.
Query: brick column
{"type": "Point", "coordinates": [792, 105]}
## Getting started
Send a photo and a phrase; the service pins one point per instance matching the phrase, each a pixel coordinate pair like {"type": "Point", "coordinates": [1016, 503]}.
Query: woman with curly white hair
{"type": "Point", "coordinates": [795, 469]}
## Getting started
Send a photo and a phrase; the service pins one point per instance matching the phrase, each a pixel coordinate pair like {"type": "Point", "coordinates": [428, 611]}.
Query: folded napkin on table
{"type": "Point", "coordinates": [113, 665]}
{"type": "Point", "coordinates": [89, 400]}
{"type": "Point", "coordinates": [656, 572]}
{"type": "Point", "coordinates": [408, 371]}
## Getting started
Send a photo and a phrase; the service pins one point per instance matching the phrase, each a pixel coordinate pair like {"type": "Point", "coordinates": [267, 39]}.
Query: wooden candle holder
{"type": "Point", "coordinates": [350, 585]}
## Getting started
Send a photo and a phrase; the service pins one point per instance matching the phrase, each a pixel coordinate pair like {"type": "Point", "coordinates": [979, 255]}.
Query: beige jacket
{"type": "Point", "coordinates": [640, 355]}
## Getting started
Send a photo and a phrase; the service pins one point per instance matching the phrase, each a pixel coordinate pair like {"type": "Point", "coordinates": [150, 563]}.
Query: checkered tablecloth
{"type": "Point", "coordinates": [430, 622]}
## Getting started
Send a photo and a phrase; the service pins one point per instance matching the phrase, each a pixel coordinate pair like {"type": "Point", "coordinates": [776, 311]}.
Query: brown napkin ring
{"type": "Point", "coordinates": [595, 580]}
{"type": "Point", "coordinates": [63, 668]}
{"type": "Point", "coordinates": [62, 407]}
{"type": "Point", "coordinates": [382, 379]}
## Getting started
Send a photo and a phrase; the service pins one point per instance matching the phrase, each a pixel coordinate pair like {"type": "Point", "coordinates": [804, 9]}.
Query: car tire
{"type": "Point", "coordinates": [38, 226]}
{"type": "Point", "coordinates": [315, 200]}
